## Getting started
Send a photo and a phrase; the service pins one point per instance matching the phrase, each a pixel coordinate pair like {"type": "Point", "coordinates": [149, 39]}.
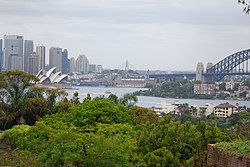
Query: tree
{"type": "Point", "coordinates": [241, 129]}
{"type": "Point", "coordinates": [75, 99]}
{"type": "Point", "coordinates": [129, 99]}
{"type": "Point", "coordinates": [113, 98]}
{"type": "Point", "coordinates": [54, 96]}
{"type": "Point", "coordinates": [142, 115]}
{"type": "Point", "coordinates": [246, 5]}
{"type": "Point", "coordinates": [222, 86]}
{"type": "Point", "coordinates": [161, 157]}
{"type": "Point", "coordinates": [15, 88]}
{"type": "Point", "coordinates": [88, 98]}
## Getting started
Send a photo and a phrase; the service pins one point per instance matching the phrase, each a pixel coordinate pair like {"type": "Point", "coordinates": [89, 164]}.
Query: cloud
{"type": "Point", "coordinates": [163, 31]}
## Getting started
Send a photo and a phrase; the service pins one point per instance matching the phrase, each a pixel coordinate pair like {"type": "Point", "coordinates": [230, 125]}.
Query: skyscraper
{"type": "Point", "coordinates": [65, 61]}
{"type": "Point", "coordinates": [82, 64]}
{"type": "Point", "coordinates": [40, 50]}
{"type": "Point", "coordinates": [28, 49]}
{"type": "Point", "coordinates": [1, 55]}
{"type": "Point", "coordinates": [55, 58]}
{"type": "Point", "coordinates": [72, 65]}
{"type": "Point", "coordinates": [13, 52]}
{"type": "Point", "coordinates": [33, 63]}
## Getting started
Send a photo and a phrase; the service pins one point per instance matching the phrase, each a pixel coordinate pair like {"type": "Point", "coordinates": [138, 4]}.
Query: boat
{"type": "Point", "coordinates": [107, 91]}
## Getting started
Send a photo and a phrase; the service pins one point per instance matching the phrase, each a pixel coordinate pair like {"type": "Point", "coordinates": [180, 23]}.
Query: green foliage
{"type": "Point", "coordinates": [23, 103]}
{"type": "Point", "coordinates": [20, 159]}
{"type": "Point", "coordinates": [240, 148]}
{"type": "Point", "coordinates": [34, 109]}
{"type": "Point", "coordinates": [225, 124]}
{"type": "Point", "coordinates": [54, 95]}
{"type": "Point", "coordinates": [241, 129]}
{"type": "Point", "coordinates": [161, 157]}
{"type": "Point", "coordinates": [75, 100]}
{"type": "Point", "coordinates": [185, 141]}
{"type": "Point", "coordinates": [100, 132]}
{"type": "Point", "coordinates": [15, 88]}
{"type": "Point", "coordinates": [113, 98]}
{"type": "Point", "coordinates": [98, 111]}
{"type": "Point", "coordinates": [128, 100]}
{"type": "Point", "coordinates": [15, 134]}
{"type": "Point", "coordinates": [58, 142]}
{"type": "Point", "coordinates": [179, 88]}
{"type": "Point", "coordinates": [88, 98]}
{"type": "Point", "coordinates": [142, 115]}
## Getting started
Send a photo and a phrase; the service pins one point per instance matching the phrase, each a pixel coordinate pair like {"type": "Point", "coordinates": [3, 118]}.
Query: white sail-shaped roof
{"type": "Point", "coordinates": [51, 76]}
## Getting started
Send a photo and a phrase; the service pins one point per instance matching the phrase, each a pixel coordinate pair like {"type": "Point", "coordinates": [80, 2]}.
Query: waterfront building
{"type": "Point", "coordinates": [164, 108]}
{"type": "Point", "coordinates": [72, 65]}
{"type": "Point", "coordinates": [1, 54]}
{"type": "Point", "coordinates": [204, 89]}
{"type": "Point", "coordinates": [65, 61]}
{"type": "Point", "coordinates": [131, 83]}
{"type": "Point", "coordinates": [82, 64]}
{"type": "Point", "coordinates": [13, 52]}
{"type": "Point", "coordinates": [28, 49]}
{"type": "Point", "coordinates": [51, 77]}
{"type": "Point", "coordinates": [224, 110]}
{"type": "Point", "coordinates": [199, 72]}
{"type": "Point", "coordinates": [55, 58]}
{"type": "Point", "coordinates": [206, 109]}
{"type": "Point", "coordinates": [40, 50]}
{"type": "Point", "coordinates": [99, 69]}
{"type": "Point", "coordinates": [33, 63]}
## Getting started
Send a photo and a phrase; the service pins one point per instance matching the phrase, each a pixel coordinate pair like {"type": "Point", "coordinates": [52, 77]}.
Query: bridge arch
{"type": "Point", "coordinates": [227, 65]}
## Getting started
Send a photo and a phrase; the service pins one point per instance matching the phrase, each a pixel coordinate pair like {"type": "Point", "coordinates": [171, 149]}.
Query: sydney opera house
{"type": "Point", "coordinates": [52, 78]}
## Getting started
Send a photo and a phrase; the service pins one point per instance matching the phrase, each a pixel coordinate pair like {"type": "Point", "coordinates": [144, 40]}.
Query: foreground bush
{"type": "Point", "coordinates": [100, 132]}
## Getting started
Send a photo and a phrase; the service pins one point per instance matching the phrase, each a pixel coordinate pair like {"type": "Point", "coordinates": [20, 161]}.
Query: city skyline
{"type": "Point", "coordinates": [159, 34]}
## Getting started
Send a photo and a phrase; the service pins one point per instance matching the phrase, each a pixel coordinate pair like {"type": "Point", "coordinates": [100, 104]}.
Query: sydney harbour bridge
{"type": "Point", "coordinates": [234, 64]}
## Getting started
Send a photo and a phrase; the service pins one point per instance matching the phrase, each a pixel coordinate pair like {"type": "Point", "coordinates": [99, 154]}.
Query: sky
{"type": "Point", "coordinates": [150, 34]}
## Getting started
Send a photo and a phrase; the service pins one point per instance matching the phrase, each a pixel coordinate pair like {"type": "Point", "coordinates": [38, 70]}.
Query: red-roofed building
{"type": "Point", "coordinates": [224, 110]}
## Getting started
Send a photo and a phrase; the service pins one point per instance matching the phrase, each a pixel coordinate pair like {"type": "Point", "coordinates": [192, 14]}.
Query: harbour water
{"type": "Point", "coordinates": [145, 101]}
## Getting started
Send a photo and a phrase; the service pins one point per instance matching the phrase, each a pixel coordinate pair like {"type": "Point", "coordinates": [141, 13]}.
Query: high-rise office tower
{"type": "Point", "coordinates": [33, 63]}
{"type": "Point", "coordinates": [55, 58]}
{"type": "Point", "coordinates": [72, 66]}
{"type": "Point", "coordinates": [1, 55]}
{"type": "Point", "coordinates": [82, 64]}
{"type": "Point", "coordinates": [68, 66]}
{"type": "Point", "coordinates": [28, 49]}
{"type": "Point", "coordinates": [65, 61]}
{"type": "Point", "coordinates": [40, 50]}
{"type": "Point", "coordinates": [13, 52]}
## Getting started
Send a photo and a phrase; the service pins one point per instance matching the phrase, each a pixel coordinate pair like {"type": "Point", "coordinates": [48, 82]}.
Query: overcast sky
{"type": "Point", "coordinates": [150, 34]}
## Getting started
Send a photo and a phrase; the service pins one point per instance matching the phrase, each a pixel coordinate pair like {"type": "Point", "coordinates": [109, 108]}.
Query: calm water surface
{"type": "Point", "coordinates": [145, 101]}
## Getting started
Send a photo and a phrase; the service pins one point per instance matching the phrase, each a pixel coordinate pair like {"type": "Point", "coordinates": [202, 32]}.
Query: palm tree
{"type": "Point", "coordinates": [129, 99]}
{"type": "Point", "coordinates": [15, 87]}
